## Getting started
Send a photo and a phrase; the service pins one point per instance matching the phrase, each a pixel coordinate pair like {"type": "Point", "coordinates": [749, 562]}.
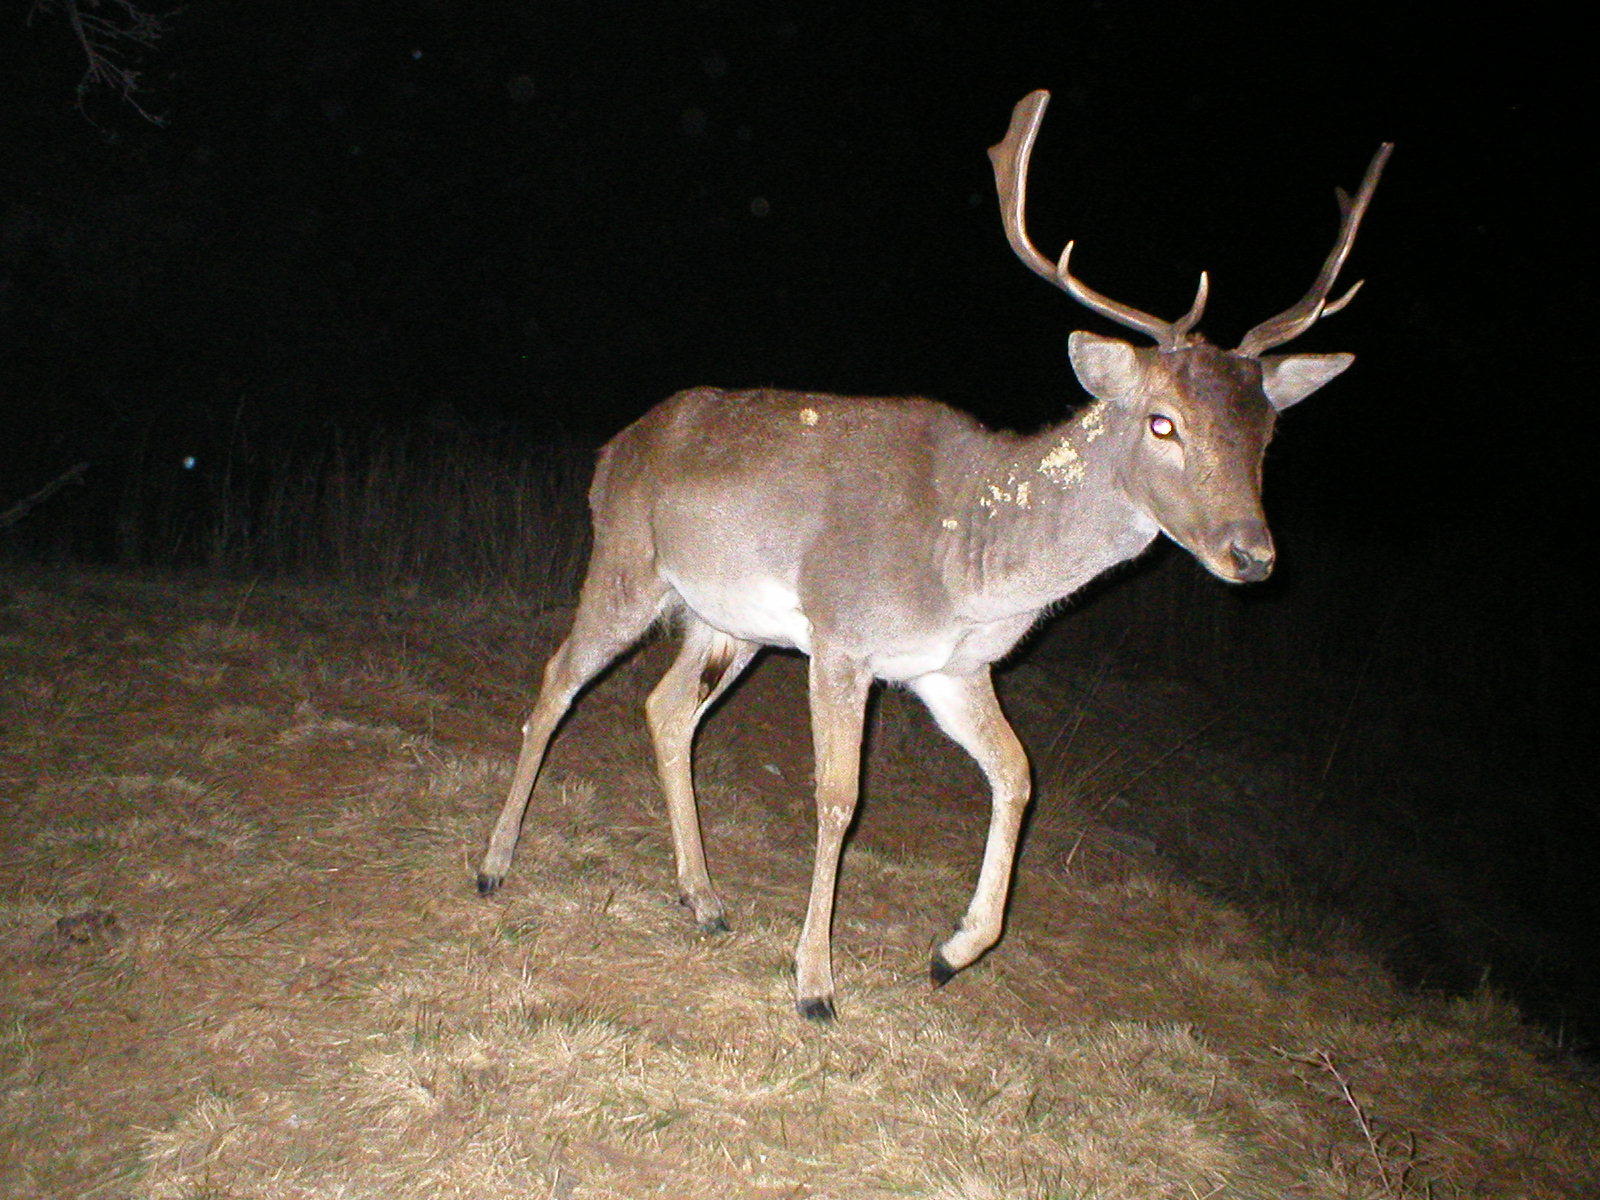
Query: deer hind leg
{"type": "Point", "coordinates": [838, 708]}
{"type": "Point", "coordinates": [705, 668]}
{"type": "Point", "coordinates": [621, 598]}
{"type": "Point", "coordinates": [966, 708]}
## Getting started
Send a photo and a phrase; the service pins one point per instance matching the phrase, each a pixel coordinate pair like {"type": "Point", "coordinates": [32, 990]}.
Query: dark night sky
{"type": "Point", "coordinates": [537, 215]}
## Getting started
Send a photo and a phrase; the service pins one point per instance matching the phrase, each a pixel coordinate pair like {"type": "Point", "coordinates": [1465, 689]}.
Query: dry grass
{"type": "Point", "coordinates": [240, 955]}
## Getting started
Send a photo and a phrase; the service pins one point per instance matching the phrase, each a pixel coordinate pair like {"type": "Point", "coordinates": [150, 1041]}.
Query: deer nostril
{"type": "Point", "coordinates": [1253, 563]}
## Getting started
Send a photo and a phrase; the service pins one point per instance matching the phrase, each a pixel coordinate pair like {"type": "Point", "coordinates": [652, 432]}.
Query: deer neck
{"type": "Point", "coordinates": [1036, 518]}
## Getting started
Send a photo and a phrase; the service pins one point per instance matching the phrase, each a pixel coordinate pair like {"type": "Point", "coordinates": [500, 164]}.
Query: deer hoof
{"type": "Point", "coordinates": [708, 926]}
{"type": "Point", "coordinates": [940, 971]}
{"type": "Point", "coordinates": [489, 884]}
{"type": "Point", "coordinates": [818, 1010]}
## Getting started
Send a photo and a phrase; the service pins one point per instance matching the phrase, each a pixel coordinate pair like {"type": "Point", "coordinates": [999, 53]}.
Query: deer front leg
{"type": "Point", "coordinates": [838, 708]}
{"type": "Point", "coordinates": [966, 708]}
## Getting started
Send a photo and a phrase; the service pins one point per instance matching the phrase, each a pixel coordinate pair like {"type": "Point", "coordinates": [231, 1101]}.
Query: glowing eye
{"type": "Point", "coordinates": [1162, 427]}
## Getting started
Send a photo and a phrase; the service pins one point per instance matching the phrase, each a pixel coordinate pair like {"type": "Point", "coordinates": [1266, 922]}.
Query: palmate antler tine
{"type": "Point", "coordinates": [1334, 306]}
{"type": "Point", "coordinates": [1168, 335]}
{"type": "Point", "coordinates": [1010, 158]}
{"type": "Point", "coordinates": [1185, 323]}
{"type": "Point", "coordinates": [1314, 304]}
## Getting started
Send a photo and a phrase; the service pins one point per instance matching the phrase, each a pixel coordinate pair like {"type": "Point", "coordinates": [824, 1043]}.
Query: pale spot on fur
{"type": "Point", "coordinates": [808, 416]}
{"type": "Point", "coordinates": [950, 523]}
{"type": "Point", "coordinates": [1015, 492]}
{"type": "Point", "coordinates": [1063, 464]}
{"type": "Point", "coordinates": [1093, 423]}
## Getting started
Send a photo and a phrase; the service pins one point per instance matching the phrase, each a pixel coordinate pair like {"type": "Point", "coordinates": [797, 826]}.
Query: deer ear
{"type": "Point", "coordinates": [1290, 378]}
{"type": "Point", "coordinates": [1107, 368]}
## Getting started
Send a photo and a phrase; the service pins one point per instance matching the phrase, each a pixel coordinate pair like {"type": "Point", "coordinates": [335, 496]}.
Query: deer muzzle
{"type": "Point", "coordinates": [1247, 551]}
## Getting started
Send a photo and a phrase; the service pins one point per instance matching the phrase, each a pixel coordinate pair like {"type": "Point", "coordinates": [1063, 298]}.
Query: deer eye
{"type": "Point", "coordinates": [1162, 426]}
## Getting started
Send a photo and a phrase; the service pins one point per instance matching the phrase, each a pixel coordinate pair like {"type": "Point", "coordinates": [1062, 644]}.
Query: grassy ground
{"type": "Point", "coordinates": [241, 956]}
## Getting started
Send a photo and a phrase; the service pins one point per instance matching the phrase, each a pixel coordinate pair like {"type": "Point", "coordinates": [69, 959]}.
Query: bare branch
{"type": "Point", "coordinates": [110, 33]}
{"type": "Point", "coordinates": [22, 507]}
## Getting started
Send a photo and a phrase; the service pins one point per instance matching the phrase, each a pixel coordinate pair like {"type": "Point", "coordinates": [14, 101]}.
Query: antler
{"type": "Point", "coordinates": [1314, 304]}
{"type": "Point", "coordinates": [1010, 159]}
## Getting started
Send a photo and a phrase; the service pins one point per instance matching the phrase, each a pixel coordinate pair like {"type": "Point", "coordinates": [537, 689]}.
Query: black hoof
{"type": "Point", "coordinates": [940, 971]}
{"type": "Point", "coordinates": [820, 1011]}
{"type": "Point", "coordinates": [717, 924]}
{"type": "Point", "coordinates": [489, 884]}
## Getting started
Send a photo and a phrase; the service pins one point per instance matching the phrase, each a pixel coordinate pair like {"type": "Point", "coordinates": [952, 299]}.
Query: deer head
{"type": "Point", "coordinates": [1200, 416]}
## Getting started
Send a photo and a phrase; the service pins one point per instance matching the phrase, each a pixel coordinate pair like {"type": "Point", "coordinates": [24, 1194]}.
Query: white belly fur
{"type": "Point", "coordinates": [756, 609]}
{"type": "Point", "coordinates": [766, 610]}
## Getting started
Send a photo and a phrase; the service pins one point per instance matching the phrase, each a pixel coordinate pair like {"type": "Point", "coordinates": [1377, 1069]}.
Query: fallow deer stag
{"type": "Point", "coordinates": [898, 539]}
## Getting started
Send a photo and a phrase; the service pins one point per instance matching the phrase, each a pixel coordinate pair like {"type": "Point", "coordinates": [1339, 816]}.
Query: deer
{"type": "Point", "coordinates": [900, 540]}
